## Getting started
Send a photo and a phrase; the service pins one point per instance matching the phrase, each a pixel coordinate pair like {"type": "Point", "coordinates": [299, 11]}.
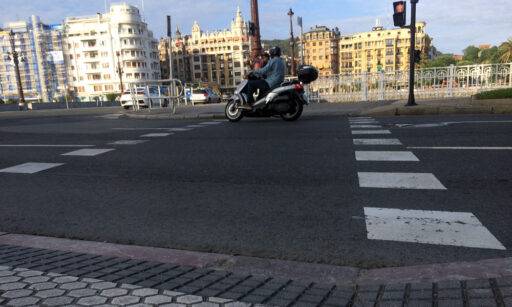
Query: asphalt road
{"type": "Point", "coordinates": [262, 188]}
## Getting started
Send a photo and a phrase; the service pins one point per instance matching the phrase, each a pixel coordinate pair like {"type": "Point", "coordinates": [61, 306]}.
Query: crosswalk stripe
{"type": "Point", "coordinates": [380, 142]}
{"type": "Point", "coordinates": [386, 156]}
{"type": "Point", "coordinates": [429, 227]}
{"type": "Point", "coordinates": [359, 132]}
{"type": "Point", "coordinates": [155, 135]}
{"type": "Point", "coordinates": [30, 168]}
{"type": "Point", "coordinates": [88, 152]}
{"type": "Point", "coordinates": [128, 142]}
{"type": "Point", "coordinates": [365, 126]}
{"type": "Point", "coordinates": [415, 181]}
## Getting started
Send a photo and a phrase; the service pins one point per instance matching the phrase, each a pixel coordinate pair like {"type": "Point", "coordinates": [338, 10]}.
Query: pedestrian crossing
{"type": "Point", "coordinates": [461, 229]}
{"type": "Point", "coordinates": [90, 151]}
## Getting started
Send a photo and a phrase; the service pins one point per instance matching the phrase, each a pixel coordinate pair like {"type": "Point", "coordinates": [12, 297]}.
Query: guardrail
{"type": "Point", "coordinates": [430, 83]}
{"type": "Point", "coordinates": [167, 93]}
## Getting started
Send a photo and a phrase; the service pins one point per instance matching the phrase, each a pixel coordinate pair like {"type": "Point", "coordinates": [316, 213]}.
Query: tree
{"type": "Point", "coordinates": [471, 54]}
{"type": "Point", "coordinates": [441, 61]}
{"type": "Point", "coordinates": [489, 56]}
{"type": "Point", "coordinates": [506, 51]}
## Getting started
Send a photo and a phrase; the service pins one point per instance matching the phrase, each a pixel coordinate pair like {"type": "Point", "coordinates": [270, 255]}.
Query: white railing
{"type": "Point", "coordinates": [157, 94]}
{"type": "Point", "coordinates": [430, 83]}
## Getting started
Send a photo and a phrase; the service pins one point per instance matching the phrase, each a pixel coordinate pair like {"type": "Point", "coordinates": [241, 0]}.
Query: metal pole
{"type": "Point", "coordinates": [412, 101]}
{"type": "Point", "coordinates": [292, 42]}
{"type": "Point", "coordinates": [120, 72]}
{"type": "Point", "coordinates": [14, 53]}
{"type": "Point", "coordinates": [302, 42]}
{"type": "Point", "coordinates": [256, 39]}
{"type": "Point", "coordinates": [171, 72]}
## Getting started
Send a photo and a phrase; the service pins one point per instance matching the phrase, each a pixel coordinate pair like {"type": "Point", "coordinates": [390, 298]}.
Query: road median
{"type": "Point", "coordinates": [462, 106]}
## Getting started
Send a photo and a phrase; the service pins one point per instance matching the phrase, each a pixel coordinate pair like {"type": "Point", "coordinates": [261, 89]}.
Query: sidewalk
{"type": "Point", "coordinates": [51, 272]}
{"type": "Point", "coordinates": [216, 111]}
{"type": "Point", "coordinates": [444, 107]}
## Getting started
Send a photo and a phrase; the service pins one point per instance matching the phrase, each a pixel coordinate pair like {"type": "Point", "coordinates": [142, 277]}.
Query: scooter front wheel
{"type": "Point", "coordinates": [233, 113]}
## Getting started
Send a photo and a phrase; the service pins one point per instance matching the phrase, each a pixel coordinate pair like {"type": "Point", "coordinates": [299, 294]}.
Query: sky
{"type": "Point", "coordinates": [453, 24]}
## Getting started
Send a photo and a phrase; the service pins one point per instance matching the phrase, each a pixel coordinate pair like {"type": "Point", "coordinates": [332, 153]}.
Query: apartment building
{"type": "Point", "coordinates": [321, 49]}
{"type": "Point", "coordinates": [42, 68]}
{"type": "Point", "coordinates": [106, 52]}
{"type": "Point", "coordinates": [215, 59]}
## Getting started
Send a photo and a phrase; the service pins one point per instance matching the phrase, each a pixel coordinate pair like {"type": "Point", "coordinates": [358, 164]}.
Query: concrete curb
{"type": "Point", "coordinates": [309, 272]}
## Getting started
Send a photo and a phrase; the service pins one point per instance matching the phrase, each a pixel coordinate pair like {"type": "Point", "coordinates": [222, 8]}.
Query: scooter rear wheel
{"type": "Point", "coordinates": [296, 111]}
{"type": "Point", "coordinates": [233, 113]}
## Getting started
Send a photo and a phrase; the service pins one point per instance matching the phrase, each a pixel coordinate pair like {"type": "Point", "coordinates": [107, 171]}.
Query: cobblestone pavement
{"type": "Point", "coordinates": [30, 276]}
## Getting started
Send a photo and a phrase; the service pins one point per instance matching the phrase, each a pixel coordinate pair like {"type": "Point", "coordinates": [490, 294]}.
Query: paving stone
{"type": "Point", "coordinates": [449, 284]}
{"type": "Point", "coordinates": [173, 293]}
{"type": "Point", "coordinates": [480, 293]}
{"type": "Point", "coordinates": [393, 295]}
{"type": "Point", "coordinates": [125, 300]}
{"type": "Point", "coordinates": [482, 302]}
{"type": "Point", "coordinates": [158, 299]}
{"type": "Point", "coordinates": [189, 299]}
{"type": "Point", "coordinates": [390, 304]}
{"type": "Point", "coordinates": [145, 292]}
{"type": "Point", "coordinates": [64, 279]}
{"type": "Point", "coordinates": [73, 285]}
{"type": "Point", "coordinates": [4, 268]}
{"type": "Point", "coordinates": [36, 279]}
{"type": "Point", "coordinates": [450, 303]}
{"type": "Point", "coordinates": [504, 281]}
{"type": "Point", "coordinates": [103, 285]}
{"type": "Point", "coordinates": [6, 273]}
{"type": "Point", "coordinates": [24, 301]}
{"type": "Point", "coordinates": [506, 291]}
{"type": "Point", "coordinates": [92, 300]}
{"type": "Point", "coordinates": [418, 295]}
{"type": "Point", "coordinates": [219, 300]}
{"type": "Point", "coordinates": [50, 293]}
{"type": "Point", "coordinates": [237, 304]}
{"type": "Point", "coordinates": [43, 286]}
{"type": "Point", "coordinates": [114, 292]}
{"type": "Point", "coordinates": [17, 293]}
{"type": "Point", "coordinates": [82, 292]}
{"type": "Point", "coordinates": [478, 283]}
{"type": "Point", "coordinates": [12, 286]}
{"type": "Point", "coordinates": [91, 280]}
{"type": "Point", "coordinates": [29, 273]}
{"type": "Point", "coordinates": [9, 279]}
{"type": "Point", "coordinates": [57, 301]}
{"type": "Point", "coordinates": [449, 293]}
{"type": "Point", "coordinates": [140, 305]}
{"type": "Point", "coordinates": [425, 303]}
{"type": "Point", "coordinates": [202, 304]}
{"type": "Point", "coordinates": [176, 305]}
{"type": "Point", "coordinates": [130, 287]}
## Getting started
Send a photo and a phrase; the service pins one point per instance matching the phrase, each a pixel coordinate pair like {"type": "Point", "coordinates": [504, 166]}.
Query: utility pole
{"type": "Point", "coordinates": [299, 22]}
{"type": "Point", "coordinates": [120, 71]}
{"type": "Point", "coordinates": [412, 101]}
{"type": "Point", "coordinates": [169, 37]}
{"type": "Point", "coordinates": [292, 42]}
{"type": "Point", "coordinates": [14, 53]}
{"type": "Point", "coordinates": [256, 38]}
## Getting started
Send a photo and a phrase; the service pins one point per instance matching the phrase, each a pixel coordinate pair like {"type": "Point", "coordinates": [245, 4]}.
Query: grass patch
{"type": "Point", "coordinates": [495, 94]}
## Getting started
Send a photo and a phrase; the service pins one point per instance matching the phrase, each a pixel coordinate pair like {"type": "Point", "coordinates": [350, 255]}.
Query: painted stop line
{"type": "Point", "coordinates": [429, 227]}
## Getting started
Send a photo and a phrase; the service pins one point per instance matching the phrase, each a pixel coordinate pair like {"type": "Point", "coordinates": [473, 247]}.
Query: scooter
{"type": "Point", "coordinates": [286, 101]}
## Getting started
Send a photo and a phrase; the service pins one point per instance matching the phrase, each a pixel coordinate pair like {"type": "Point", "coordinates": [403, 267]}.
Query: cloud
{"type": "Point", "coordinates": [452, 24]}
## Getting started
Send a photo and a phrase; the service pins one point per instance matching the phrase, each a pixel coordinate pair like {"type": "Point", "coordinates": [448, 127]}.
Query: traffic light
{"type": "Point", "coordinates": [252, 29]}
{"type": "Point", "coordinates": [417, 56]}
{"type": "Point", "coordinates": [400, 13]}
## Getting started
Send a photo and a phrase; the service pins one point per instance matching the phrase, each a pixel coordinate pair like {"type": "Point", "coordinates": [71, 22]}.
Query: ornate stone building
{"type": "Point", "coordinates": [214, 59]}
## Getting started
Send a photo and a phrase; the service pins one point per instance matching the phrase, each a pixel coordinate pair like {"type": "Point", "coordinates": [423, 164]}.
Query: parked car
{"type": "Point", "coordinates": [204, 96]}
{"type": "Point", "coordinates": [146, 96]}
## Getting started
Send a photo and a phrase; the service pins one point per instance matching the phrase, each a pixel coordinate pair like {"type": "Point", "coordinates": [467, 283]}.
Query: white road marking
{"type": "Point", "coordinates": [364, 121]}
{"type": "Point", "coordinates": [88, 152]}
{"type": "Point", "coordinates": [377, 142]}
{"type": "Point", "coordinates": [210, 123]}
{"type": "Point", "coordinates": [46, 145]}
{"type": "Point", "coordinates": [360, 117]}
{"type": "Point", "coordinates": [365, 126]}
{"type": "Point", "coordinates": [386, 156]}
{"type": "Point", "coordinates": [462, 148]}
{"type": "Point", "coordinates": [140, 129]}
{"type": "Point", "coordinates": [155, 135]}
{"type": "Point", "coordinates": [359, 132]}
{"type": "Point", "coordinates": [444, 124]}
{"type": "Point", "coordinates": [416, 181]}
{"type": "Point", "coordinates": [128, 142]}
{"type": "Point", "coordinates": [195, 126]}
{"type": "Point", "coordinates": [429, 227]}
{"type": "Point", "coordinates": [179, 129]}
{"type": "Point", "coordinates": [30, 168]}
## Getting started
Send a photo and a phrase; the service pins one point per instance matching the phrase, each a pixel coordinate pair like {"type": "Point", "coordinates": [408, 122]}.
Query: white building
{"type": "Point", "coordinates": [96, 46]}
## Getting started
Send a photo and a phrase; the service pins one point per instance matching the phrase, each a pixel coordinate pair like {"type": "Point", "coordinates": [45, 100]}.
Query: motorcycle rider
{"type": "Point", "coordinates": [273, 72]}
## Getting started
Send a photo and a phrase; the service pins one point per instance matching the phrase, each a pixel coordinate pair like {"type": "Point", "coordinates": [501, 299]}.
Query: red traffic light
{"type": "Point", "coordinates": [400, 13]}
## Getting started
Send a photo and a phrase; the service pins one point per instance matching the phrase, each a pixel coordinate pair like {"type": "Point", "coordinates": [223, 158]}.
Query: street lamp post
{"type": "Point", "coordinates": [299, 21]}
{"type": "Point", "coordinates": [15, 55]}
{"type": "Point", "coordinates": [120, 72]}
{"type": "Point", "coordinates": [292, 42]}
{"type": "Point", "coordinates": [412, 101]}
{"type": "Point", "coordinates": [255, 38]}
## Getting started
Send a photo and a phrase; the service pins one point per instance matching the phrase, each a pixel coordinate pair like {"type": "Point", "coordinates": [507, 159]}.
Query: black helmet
{"type": "Point", "coordinates": [274, 52]}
